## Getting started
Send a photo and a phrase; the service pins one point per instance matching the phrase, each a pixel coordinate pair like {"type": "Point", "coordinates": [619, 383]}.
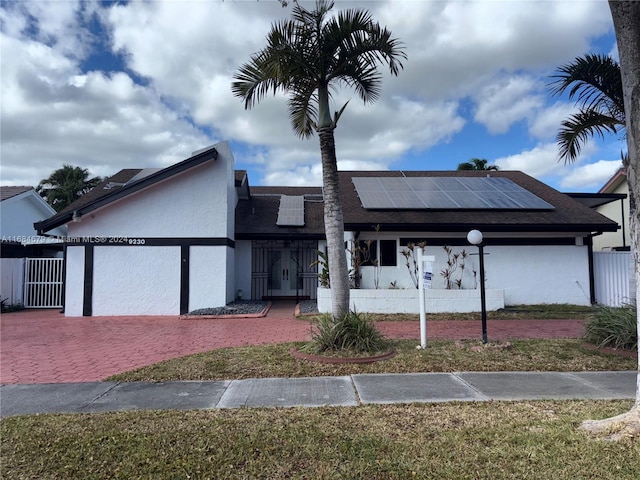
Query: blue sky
{"type": "Point", "coordinates": [112, 85]}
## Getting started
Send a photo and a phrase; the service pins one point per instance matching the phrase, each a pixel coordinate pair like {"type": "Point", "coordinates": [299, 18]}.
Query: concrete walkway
{"type": "Point", "coordinates": [44, 346]}
{"type": "Point", "coordinates": [316, 391]}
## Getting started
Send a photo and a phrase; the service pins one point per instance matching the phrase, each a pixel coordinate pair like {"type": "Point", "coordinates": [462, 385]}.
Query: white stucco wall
{"type": "Point", "coordinates": [190, 204]}
{"type": "Point", "coordinates": [526, 274]}
{"type": "Point", "coordinates": [207, 272]}
{"type": "Point", "coordinates": [243, 268]}
{"type": "Point", "coordinates": [74, 282]}
{"type": "Point", "coordinates": [136, 281]}
{"type": "Point", "coordinates": [196, 204]}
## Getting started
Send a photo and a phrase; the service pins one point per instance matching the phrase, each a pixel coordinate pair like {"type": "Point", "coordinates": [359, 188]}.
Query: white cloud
{"type": "Point", "coordinates": [506, 102]}
{"type": "Point", "coordinates": [540, 161]}
{"type": "Point", "coordinates": [589, 176]}
{"type": "Point", "coordinates": [495, 54]}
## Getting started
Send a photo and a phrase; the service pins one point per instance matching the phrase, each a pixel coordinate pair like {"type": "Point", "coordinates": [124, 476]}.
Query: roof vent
{"type": "Point", "coordinates": [291, 211]}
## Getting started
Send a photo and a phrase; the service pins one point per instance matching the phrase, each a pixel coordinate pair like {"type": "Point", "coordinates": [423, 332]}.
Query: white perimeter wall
{"type": "Point", "coordinates": [136, 281]}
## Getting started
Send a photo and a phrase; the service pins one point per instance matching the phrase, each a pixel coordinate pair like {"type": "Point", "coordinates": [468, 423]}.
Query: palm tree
{"type": "Point", "coordinates": [65, 185]}
{"type": "Point", "coordinates": [307, 57]}
{"type": "Point", "coordinates": [626, 23]}
{"type": "Point", "coordinates": [477, 164]}
{"type": "Point", "coordinates": [595, 83]}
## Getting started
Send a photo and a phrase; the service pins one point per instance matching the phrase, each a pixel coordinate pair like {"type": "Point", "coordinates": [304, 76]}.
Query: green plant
{"type": "Point", "coordinates": [323, 263]}
{"type": "Point", "coordinates": [8, 307]}
{"type": "Point", "coordinates": [353, 332]}
{"type": "Point", "coordinates": [613, 327]}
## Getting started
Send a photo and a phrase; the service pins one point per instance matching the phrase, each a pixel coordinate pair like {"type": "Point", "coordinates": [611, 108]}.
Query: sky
{"type": "Point", "coordinates": [141, 84]}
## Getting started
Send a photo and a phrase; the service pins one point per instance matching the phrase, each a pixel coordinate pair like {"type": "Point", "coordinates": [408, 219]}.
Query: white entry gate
{"type": "Point", "coordinates": [43, 282]}
{"type": "Point", "coordinates": [612, 271]}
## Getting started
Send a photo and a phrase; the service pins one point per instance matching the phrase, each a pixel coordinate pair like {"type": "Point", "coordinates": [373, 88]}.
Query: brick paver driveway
{"type": "Point", "coordinates": [43, 346]}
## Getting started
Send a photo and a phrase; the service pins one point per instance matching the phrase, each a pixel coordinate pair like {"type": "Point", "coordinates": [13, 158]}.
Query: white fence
{"type": "Point", "coordinates": [12, 280]}
{"type": "Point", "coordinates": [43, 282]}
{"type": "Point", "coordinates": [33, 282]}
{"type": "Point", "coordinates": [612, 272]}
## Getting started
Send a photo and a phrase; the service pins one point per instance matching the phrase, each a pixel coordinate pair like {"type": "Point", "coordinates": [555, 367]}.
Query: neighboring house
{"type": "Point", "coordinates": [20, 207]}
{"type": "Point", "coordinates": [196, 235]}
{"type": "Point", "coordinates": [618, 211]}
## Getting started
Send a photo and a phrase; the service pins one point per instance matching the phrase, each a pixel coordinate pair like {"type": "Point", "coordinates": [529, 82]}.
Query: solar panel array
{"type": "Point", "coordinates": [397, 193]}
{"type": "Point", "coordinates": [291, 211]}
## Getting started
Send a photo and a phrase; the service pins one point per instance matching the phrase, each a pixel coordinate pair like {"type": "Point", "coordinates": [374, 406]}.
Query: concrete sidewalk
{"type": "Point", "coordinates": [315, 391]}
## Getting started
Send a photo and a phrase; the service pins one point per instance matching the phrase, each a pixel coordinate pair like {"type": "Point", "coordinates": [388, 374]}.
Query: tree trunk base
{"type": "Point", "coordinates": [615, 428]}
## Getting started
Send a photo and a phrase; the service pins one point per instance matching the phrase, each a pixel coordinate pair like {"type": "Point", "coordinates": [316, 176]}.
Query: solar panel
{"type": "Point", "coordinates": [389, 193]}
{"type": "Point", "coordinates": [291, 211]}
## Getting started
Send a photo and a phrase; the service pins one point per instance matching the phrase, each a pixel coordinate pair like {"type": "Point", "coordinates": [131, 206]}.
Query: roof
{"type": "Point", "coordinates": [614, 182]}
{"type": "Point", "coordinates": [122, 184]}
{"type": "Point", "coordinates": [595, 200]}
{"type": "Point", "coordinates": [256, 216]}
{"type": "Point", "coordinates": [567, 216]}
{"type": "Point", "coordinates": [10, 191]}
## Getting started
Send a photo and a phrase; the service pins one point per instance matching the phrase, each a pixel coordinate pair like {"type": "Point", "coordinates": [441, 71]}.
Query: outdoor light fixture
{"type": "Point", "coordinates": [475, 238]}
{"type": "Point", "coordinates": [76, 218]}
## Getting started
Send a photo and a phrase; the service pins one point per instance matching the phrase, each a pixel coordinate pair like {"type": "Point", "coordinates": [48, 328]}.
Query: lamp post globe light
{"type": "Point", "coordinates": [475, 238]}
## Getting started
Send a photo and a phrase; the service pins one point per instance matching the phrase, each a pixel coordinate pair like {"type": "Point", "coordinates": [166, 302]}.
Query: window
{"type": "Point", "coordinates": [388, 253]}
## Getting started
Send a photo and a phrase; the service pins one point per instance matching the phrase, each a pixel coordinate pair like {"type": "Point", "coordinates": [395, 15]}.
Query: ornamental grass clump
{"type": "Point", "coordinates": [354, 333]}
{"type": "Point", "coordinates": [613, 327]}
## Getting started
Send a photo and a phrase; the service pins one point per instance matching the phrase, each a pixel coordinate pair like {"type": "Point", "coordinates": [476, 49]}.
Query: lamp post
{"type": "Point", "coordinates": [475, 238]}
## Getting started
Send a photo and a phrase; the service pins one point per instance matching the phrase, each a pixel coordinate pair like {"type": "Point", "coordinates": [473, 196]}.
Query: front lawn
{"type": "Point", "coordinates": [440, 356]}
{"type": "Point", "coordinates": [497, 440]}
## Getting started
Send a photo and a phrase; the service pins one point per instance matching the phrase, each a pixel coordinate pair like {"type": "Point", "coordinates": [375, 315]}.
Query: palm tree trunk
{"type": "Point", "coordinates": [626, 22]}
{"type": "Point", "coordinates": [334, 225]}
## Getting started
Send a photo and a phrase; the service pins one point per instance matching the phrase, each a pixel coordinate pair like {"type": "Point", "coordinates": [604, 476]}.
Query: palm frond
{"type": "Point", "coordinates": [581, 127]}
{"type": "Point", "coordinates": [594, 82]}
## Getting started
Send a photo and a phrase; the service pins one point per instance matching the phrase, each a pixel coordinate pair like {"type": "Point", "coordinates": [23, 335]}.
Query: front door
{"type": "Point", "coordinates": [284, 273]}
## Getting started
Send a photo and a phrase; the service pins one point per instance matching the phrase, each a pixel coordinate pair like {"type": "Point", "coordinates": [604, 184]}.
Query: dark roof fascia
{"type": "Point", "coordinates": [502, 228]}
{"type": "Point", "coordinates": [594, 200]}
{"type": "Point", "coordinates": [280, 236]}
{"type": "Point", "coordinates": [165, 173]}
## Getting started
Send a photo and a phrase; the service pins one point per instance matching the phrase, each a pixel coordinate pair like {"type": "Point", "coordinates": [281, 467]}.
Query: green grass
{"type": "Point", "coordinates": [499, 440]}
{"type": "Point", "coordinates": [440, 356]}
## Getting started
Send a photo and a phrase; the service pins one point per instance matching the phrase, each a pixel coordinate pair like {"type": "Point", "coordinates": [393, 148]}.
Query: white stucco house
{"type": "Point", "coordinates": [20, 208]}
{"type": "Point", "coordinates": [197, 235]}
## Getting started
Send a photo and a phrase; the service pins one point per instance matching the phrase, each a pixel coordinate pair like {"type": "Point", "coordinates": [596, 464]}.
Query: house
{"type": "Point", "coordinates": [618, 211]}
{"type": "Point", "coordinates": [20, 207]}
{"type": "Point", "coordinates": [197, 235]}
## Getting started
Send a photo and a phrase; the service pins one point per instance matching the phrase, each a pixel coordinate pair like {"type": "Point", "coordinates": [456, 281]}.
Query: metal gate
{"type": "Point", "coordinates": [612, 271]}
{"type": "Point", "coordinates": [43, 282]}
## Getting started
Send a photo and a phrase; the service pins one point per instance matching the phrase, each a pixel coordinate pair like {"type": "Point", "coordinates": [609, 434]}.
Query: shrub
{"type": "Point", "coordinates": [354, 332]}
{"type": "Point", "coordinates": [613, 327]}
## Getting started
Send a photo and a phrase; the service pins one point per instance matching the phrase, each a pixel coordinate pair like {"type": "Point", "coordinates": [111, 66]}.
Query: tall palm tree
{"type": "Point", "coordinates": [307, 57]}
{"type": "Point", "coordinates": [626, 23]}
{"type": "Point", "coordinates": [595, 83]}
{"type": "Point", "coordinates": [65, 185]}
{"type": "Point", "coordinates": [477, 164]}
